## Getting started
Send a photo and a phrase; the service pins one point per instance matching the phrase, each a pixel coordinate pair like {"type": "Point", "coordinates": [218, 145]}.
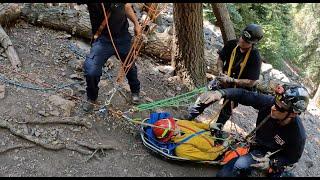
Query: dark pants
{"type": "Point", "coordinates": [224, 115]}
{"type": "Point", "coordinates": [100, 52]}
{"type": "Point", "coordinates": [240, 166]}
{"type": "Point", "coordinates": [226, 112]}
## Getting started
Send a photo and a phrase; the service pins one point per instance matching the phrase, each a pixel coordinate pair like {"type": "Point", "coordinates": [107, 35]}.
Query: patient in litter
{"type": "Point", "coordinates": [189, 139]}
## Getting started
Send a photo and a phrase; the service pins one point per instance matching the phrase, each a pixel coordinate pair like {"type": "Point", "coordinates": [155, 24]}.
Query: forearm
{"type": "Point", "coordinates": [244, 82]}
{"type": "Point", "coordinates": [245, 97]}
{"type": "Point", "coordinates": [130, 14]}
{"type": "Point", "coordinates": [220, 65]}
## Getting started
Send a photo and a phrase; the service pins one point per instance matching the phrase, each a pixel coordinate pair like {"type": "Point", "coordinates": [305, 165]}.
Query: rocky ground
{"type": "Point", "coordinates": [47, 59]}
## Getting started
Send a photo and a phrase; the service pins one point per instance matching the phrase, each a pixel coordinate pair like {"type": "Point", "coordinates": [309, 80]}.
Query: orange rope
{"type": "Point", "coordinates": [134, 54]}
{"type": "Point", "coordinates": [107, 23]}
{"type": "Point", "coordinates": [149, 9]}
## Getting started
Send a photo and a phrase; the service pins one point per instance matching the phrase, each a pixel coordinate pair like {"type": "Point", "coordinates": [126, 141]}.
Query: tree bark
{"type": "Point", "coordinates": [190, 65]}
{"type": "Point", "coordinates": [9, 49]}
{"type": "Point", "coordinates": [159, 46]}
{"type": "Point", "coordinates": [60, 18]}
{"type": "Point", "coordinates": [223, 21]}
{"type": "Point", "coordinates": [316, 97]}
{"type": "Point", "coordinates": [9, 13]}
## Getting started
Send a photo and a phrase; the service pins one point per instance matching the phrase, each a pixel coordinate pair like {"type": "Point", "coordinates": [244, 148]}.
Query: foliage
{"type": "Point", "coordinates": [307, 22]}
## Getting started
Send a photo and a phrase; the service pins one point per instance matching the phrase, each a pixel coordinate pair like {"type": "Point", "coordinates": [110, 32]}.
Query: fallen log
{"type": "Point", "coordinates": [59, 18]}
{"type": "Point", "coordinates": [78, 24]}
{"type": "Point", "coordinates": [9, 49]}
{"type": "Point", "coordinates": [9, 13]}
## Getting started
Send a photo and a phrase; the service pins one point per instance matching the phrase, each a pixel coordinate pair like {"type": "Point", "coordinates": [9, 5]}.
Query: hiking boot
{"type": "Point", "coordinates": [88, 106]}
{"type": "Point", "coordinates": [135, 98]}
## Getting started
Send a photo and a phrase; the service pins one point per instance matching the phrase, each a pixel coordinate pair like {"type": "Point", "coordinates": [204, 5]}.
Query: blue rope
{"type": "Point", "coordinates": [37, 88]}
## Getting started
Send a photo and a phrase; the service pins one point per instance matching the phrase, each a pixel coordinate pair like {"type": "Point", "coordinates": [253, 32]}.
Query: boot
{"type": "Point", "coordinates": [135, 98]}
{"type": "Point", "coordinates": [88, 106]}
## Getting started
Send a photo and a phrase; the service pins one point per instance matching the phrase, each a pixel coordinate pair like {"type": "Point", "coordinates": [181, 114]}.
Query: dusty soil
{"type": "Point", "coordinates": [46, 59]}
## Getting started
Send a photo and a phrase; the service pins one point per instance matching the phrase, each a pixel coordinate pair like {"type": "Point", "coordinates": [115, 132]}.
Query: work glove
{"type": "Point", "coordinates": [263, 162]}
{"type": "Point", "coordinates": [225, 79]}
{"type": "Point", "coordinates": [210, 97]}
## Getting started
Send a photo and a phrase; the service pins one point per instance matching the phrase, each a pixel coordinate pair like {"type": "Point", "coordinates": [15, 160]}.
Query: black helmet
{"type": "Point", "coordinates": [252, 33]}
{"type": "Point", "coordinates": [294, 98]}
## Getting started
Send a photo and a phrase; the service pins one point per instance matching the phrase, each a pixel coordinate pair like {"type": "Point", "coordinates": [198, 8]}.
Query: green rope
{"type": "Point", "coordinates": [176, 101]}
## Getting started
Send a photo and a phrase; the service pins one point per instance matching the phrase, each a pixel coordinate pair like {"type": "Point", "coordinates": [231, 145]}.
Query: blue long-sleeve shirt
{"type": "Point", "coordinates": [271, 136]}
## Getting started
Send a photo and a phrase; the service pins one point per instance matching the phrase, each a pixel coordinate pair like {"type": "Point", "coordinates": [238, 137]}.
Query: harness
{"type": "Point", "coordinates": [186, 139]}
{"type": "Point", "coordinates": [242, 65]}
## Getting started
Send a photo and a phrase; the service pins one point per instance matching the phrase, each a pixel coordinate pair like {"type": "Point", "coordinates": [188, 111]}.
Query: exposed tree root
{"type": "Point", "coordinates": [78, 146]}
{"type": "Point", "coordinates": [10, 148]}
{"type": "Point", "coordinates": [35, 140]}
{"type": "Point", "coordinates": [67, 120]}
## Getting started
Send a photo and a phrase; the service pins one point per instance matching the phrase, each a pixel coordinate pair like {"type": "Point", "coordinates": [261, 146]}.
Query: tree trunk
{"type": "Point", "coordinates": [9, 12]}
{"type": "Point", "coordinates": [9, 49]}
{"type": "Point", "coordinates": [223, 21]}
{"type": "Point", "coordinates": [190, 61]}
{"type": "Point", "coordinates": [316, 97]}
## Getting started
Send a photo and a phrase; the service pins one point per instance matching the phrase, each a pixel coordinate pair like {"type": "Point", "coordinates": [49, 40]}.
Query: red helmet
{"type": "Point", "coordinates": [165, 129]}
